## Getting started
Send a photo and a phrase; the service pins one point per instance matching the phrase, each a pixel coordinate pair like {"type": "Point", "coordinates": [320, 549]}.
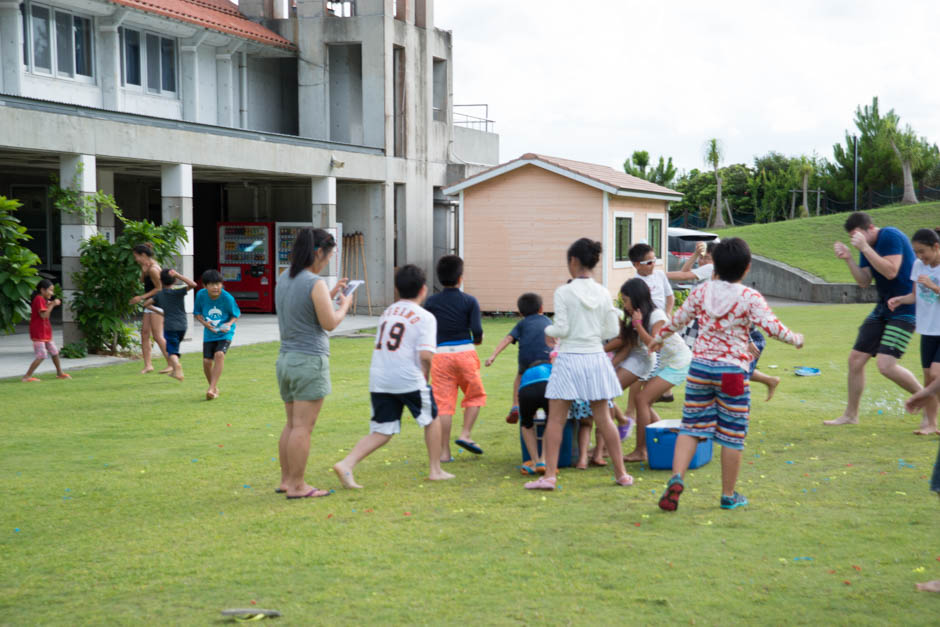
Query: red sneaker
{"type": "Point", "coordinates": [513, 416]}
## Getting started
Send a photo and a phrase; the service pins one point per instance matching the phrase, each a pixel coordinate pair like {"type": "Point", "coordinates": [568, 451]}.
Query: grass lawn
{"type": "Point", "coordinates": [129, 499]}
{"type": "Point", "coordinates": [807, 243]}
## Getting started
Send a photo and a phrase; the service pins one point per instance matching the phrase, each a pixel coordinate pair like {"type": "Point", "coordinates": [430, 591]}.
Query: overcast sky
{"type": "Point", "coordinates": [597, 80]}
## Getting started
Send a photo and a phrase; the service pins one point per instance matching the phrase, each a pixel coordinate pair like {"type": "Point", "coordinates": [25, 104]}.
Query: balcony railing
{"type": "Point", "coordinates": [475, 116]}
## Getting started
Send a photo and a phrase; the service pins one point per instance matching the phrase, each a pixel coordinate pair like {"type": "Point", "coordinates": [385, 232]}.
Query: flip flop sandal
{"type": "Point", "coordinates": [473, 447]}
{"type": "Point", "coordinates": [541, 484]}
{"type": "Point", "coordinates": [527, 468]}
{"type": "Point", "coordinates": [624, 481]}
{"type": "Point", "coordinates": [540, 468]}
{"type": "Point", "coordinates": [250, 614]}
{"type": "Point", "coordinates": [313, 494]}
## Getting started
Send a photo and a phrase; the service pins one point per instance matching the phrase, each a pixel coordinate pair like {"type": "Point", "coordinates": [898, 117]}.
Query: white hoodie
{"type": "Point", "coordinates": [584, 317]}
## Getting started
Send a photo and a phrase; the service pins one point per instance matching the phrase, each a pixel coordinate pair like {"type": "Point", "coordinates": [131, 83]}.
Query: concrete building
{"type": "Point", "coordinates": [314, 111]}
{"type": "Point", "coordinates": [517, 220]}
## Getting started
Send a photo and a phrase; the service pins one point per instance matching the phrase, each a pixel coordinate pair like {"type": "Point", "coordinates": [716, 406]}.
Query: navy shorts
{"type": "Point", "coordinates": [209, 349]}
{"type": "Point", "coordinates": [173, 339]}
{"type": "Point", "coordinates": [387, 408]}
{"type": "Point", "coordinates": [929, 350]}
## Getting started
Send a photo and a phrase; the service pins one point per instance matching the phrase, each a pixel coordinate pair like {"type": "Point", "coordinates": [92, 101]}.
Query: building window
{"type": "Point", "coordinates": [148, 61]}
{"type": "Point", "coordinates": [58, 43]}
{"type": "Point", "coordinates": [655, 235]}
{"type": "Point", "coordinates": [439, 90]}
{"type": "Point", "coordinates": [623, 235]}
{"type": "Point", "coordinates": [341, 8]}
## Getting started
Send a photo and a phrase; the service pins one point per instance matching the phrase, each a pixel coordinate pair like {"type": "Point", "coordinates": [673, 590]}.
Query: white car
{"type": "Point", "coordinates": [682, 244]}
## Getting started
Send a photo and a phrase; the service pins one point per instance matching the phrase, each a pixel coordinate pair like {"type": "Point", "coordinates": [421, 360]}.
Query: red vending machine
{"type": "Point", "coordinates": [247, 265]}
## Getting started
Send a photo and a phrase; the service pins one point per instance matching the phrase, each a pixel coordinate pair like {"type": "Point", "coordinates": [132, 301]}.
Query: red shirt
{"type": "Point", "coordinates": [40, 329]}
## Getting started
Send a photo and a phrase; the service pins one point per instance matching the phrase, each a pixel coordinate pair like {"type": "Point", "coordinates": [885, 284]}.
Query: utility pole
{"type": "Point", "coordinates": [855, 186]}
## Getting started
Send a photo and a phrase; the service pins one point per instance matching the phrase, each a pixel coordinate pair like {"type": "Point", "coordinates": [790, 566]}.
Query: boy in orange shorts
{"type": "Point", "coordinates": [456, 364]}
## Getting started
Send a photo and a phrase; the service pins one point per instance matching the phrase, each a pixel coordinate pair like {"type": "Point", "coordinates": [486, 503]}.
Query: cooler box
{"type": "Point", "coordinates": [661, 443]}
{"type": "Point", "coordinates": [568, 454]}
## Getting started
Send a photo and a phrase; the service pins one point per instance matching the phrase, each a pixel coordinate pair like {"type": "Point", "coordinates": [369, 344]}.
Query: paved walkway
{"type": "Point", "coordinates": [16, 351]}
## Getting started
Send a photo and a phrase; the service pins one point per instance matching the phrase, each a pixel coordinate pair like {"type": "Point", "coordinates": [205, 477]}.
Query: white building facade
{"type": "Point", "coordinates": [203, 111]}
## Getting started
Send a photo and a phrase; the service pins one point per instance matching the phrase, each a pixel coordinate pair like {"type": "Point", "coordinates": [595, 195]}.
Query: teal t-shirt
{"type": "Point", "coordinates": [217, 312]}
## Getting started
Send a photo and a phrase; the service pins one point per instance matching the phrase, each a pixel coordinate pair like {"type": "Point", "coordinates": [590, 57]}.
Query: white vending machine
{"type": "Point", "coordinates": [284, 234]}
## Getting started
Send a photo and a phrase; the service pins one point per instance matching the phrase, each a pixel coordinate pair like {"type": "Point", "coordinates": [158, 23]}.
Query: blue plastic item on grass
{"type": "Point", "coordinates": [568, 454]}
{"type": "Point", "coordinates": [806, 371]}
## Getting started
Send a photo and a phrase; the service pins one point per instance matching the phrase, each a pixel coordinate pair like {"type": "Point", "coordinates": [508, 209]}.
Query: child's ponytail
{"type": "Point", "coordinates": [638, 292]}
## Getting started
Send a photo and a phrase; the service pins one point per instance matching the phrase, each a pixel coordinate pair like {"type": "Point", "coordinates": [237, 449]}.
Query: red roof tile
{"type": "Point", "coordinates": [218, 15]}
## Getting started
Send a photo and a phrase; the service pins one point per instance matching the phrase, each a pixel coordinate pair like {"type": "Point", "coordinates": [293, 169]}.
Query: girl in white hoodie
{"type": "Point", "coordinates": [584, 316]}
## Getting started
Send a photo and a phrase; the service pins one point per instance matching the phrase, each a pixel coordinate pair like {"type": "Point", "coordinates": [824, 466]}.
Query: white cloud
{"type": "Point", "coordinates": [595, 81]}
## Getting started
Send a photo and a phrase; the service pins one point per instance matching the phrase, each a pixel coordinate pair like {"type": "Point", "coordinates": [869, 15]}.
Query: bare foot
{"type": "Point", "coordinates": [581, 465]}
{"type": "Point", "coordinates": [841, 420]}
{"type": "Point", "coordinates": [598, 462]}
{"type": "Point", "coordinates": [166, 370]}
{"type": "Point", "coordinates": [345, 476]}
{"type": "Point", "coordinates": [772, 387]}
{"type": "Point", "coordinates": [212, 395]}
{"type": "Point", "coordinates": [635, 456]}
{"type": "Point", "coordinates": [146, 369]}
{"type": "Point", "coordinates": [926, 430]}
{"type": "Point", "coordinates": [177, 375]}
{"type": "Point", "coordinates": [434, 476]}
{"type": "Point", "coordinates": [930, 586]}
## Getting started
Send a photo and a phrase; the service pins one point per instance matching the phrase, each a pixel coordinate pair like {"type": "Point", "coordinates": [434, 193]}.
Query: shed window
{"type": "Point", "coordinates": [655, 236]}
{"type": "Point", "coordinates": [623, 234]}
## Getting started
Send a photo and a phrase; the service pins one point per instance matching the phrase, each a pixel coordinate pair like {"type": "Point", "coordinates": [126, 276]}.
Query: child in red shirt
{"type": "Point", "coordinates": [40, 330]}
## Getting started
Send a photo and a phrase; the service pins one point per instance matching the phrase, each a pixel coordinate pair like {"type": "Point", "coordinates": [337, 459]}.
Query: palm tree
{"type": "Point", "coordinates": [907, 148]}
{"type": "Point", "coordinates": [806, 171]}
{"type": "Point", "coordinates": [713, 154]}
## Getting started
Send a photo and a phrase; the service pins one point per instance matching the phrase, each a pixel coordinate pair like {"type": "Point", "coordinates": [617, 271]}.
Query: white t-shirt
{"type": "Point", "coordinates": [675, 353]}
{"type": "Point", "coordinates": [405, 329]}
{"type": "Point", "coordinates": [659, 287]}
{"type": "Point", "coordinates": [927, 301]}
{"type": "Point", "coordinates": [704, 273]}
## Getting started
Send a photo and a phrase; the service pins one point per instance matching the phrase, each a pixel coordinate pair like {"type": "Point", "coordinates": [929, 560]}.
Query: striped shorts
{"type": "Point", "coordinates": [884, 333]}
{"type": "Point", "coordinates": [717, 402]}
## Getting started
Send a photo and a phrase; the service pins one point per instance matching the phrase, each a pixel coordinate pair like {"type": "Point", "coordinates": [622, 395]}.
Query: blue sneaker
{"type": "Point", "coordinates": [670, 499]}
{"type": "Point", "coordinates": [731, 502]}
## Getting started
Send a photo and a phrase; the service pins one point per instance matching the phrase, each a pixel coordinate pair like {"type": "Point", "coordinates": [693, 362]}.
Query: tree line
{"type": "Point", "coordinates": [779, 187]}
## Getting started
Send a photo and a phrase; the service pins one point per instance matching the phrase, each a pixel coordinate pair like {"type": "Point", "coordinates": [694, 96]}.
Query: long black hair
{"type": "Point", "coordinates": [638, 292]}
{"type": "Point", "coordinates": [927, 237]}
{"type": "Point", "coordinates": [306, 243]}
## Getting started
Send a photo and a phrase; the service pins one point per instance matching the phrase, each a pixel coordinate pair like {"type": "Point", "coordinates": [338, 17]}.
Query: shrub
{"type": "Point", "coordinates": [18, 276]}
{"type": "Point", "coordinates": [75, 350]}
{"type": "Point", "coordinates": [109, 278]}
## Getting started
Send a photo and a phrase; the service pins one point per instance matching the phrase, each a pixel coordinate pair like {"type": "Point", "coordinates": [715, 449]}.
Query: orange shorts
{"type": "Point", "coordinates": [450, 371]}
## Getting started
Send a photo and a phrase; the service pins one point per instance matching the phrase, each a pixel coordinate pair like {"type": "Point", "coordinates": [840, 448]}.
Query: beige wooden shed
{"type": "Point", "coordinates": [516, 221]}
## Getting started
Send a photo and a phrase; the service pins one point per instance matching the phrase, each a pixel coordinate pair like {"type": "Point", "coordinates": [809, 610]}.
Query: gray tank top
{"type": "Point", "coordinates": [296, 318]}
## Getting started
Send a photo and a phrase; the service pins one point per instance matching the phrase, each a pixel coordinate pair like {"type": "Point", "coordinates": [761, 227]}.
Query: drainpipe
{"type": "Point", "coordinates": [243, 91]}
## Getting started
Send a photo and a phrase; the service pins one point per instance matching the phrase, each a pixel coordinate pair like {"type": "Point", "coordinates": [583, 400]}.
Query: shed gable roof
{"type": "Point", "coordinates": [218, 15]}
{"type": "Point", "coordinates": [600, 176]}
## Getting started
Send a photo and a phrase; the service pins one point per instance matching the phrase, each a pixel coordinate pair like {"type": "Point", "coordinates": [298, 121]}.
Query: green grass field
{"type": "Point", "coordinates": [807, 243]}
{"type": "Point", "coordinates": [128, 499]}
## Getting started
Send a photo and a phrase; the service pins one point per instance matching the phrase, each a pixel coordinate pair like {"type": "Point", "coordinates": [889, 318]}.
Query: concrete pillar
{"type": "Point", "coordinates": [225, 96]}
{"type": "Point", "coordinates": [108, 51]}
{"type": "Point", "coordinates": [76, 172]}
{"type": "Point", "coordinates": [106, 215]}
{"type": "Point", "coordinates": [323, 208]}
{"type": "Point", "coordinates": [11, 47]}
{"type": "Point", "coordinates": [189, 83]}
{"type": "Point", "coordinates": [176, 191]}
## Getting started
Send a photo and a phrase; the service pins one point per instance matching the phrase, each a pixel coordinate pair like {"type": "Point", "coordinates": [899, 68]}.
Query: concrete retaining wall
{"type": "Point", "coordinates": [773, 278]}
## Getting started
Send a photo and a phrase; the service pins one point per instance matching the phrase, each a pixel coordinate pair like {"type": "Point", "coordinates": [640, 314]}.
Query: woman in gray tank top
{"type": "Point", "coordinates": [304, 315]}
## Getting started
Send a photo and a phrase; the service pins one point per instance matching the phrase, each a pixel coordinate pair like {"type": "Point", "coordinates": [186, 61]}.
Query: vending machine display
{"type": "Point", "coordinates": [284, 242]}
{"type": "Point", "coordinates": [246, 264]}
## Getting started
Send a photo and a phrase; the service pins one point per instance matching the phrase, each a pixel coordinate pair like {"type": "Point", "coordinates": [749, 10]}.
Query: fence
{"type": "Point", "coordinates": [479, 122]}
{"type": "Point", "coordinates": [870, 199]}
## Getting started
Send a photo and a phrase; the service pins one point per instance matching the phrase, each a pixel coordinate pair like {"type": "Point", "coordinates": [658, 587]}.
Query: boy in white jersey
{"type": "Point", "coordinates": [398, 377]}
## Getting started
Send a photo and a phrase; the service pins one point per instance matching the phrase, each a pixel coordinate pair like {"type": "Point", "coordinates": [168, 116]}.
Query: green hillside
{"type": "Point", "coordinates": [807, 243]}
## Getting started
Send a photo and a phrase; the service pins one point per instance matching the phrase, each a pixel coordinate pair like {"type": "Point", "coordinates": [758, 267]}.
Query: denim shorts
{"type": "Point", "coordinates": [303, 377]}
{"type": "Point", "coordinates": [173, 339]}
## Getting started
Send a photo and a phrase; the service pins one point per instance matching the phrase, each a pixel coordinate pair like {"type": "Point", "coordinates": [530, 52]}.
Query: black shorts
{"type": "Point", "coordinates": [929, 350]}
{"type": "Point", "coordinates": [883, 334]}
{"type": "Point", "coordinates": [531, 398]}
{"type": "Point", "coordinates": [387, 408]}
{"type": "Point", "coordinates": [209, 349]}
